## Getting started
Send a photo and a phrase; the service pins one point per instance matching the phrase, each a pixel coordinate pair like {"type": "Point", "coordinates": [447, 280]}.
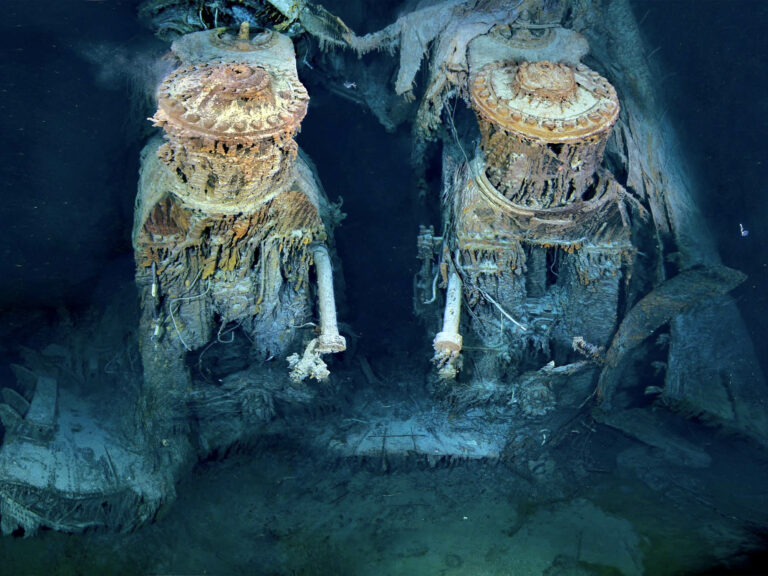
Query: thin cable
{"type": "Point", "coordinates": [185, 299]}
{"type": "Point", "coordinates": [434, 288]}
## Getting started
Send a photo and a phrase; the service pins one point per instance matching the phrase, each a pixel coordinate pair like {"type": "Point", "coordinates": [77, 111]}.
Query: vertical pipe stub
{"type": "Point", "coordinates": [244, 34]}
{"type": "Point", "coordinates": [329, 341]}
{"type": "Point", "coordinates": [448, 340]}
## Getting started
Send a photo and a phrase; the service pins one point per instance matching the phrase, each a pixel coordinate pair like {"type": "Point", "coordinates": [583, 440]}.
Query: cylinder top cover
{"type": "Point", "coordinates": [545, 101]}
{"type": "Point", "coordinates": [238, 102]}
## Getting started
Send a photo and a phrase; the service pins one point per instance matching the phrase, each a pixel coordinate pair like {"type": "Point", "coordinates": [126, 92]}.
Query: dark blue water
{"type": "Point", "coordinates": [710, 58]}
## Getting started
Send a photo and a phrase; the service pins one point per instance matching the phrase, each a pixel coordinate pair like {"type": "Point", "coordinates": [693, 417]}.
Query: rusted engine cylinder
{"type": "Point", "coordinates": [544, 127]}
{"type": "Point", "coordinates": [229, 214]}
{"type": "Point", "coordinates": [230, 130]}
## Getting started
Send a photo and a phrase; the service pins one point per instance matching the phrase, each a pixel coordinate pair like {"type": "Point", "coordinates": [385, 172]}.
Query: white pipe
{"type": "Point", "coordinates": [449, 339]}
{"type": "Point", "coordinates": [330, 340]}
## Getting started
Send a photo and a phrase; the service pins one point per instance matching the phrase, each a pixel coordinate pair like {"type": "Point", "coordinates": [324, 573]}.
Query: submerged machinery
{"type": "Point", "coordinates": [535, 240]}
{"type": "Point", "coordinates": [564, 250]}
{"type": "Point", "coordinates": [232, 241]}
{"type": "Point", "coordinates": [230, 219]}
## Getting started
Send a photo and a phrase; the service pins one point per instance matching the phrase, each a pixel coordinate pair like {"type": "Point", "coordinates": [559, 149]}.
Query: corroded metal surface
{"type": "Point", "coordinates": [251, 45]}
{"type": "Point", "coordinates": [229, 128]}
{"type": "Point", "coordinates": [234, 102]}
{"type": "Point", "coordinates": [545, 101]}
{"type": "Point", "coordinates": [537, 230]}
{"type": "Point", "coordinates": [227, 219]}
{"type": "Point", "coordinates": [245, 40]}
{"type": "Point", "coordinates": [544, 127]}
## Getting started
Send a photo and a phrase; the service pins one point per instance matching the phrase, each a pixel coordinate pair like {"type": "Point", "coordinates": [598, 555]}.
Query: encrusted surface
{"type": "Point", "coordinates": [545, 101]}
{"type": "Point", "coordinates": [244, 41]}
{"type": "Point", "coordinates": [235, 102]}
{"type": "Point", "coordinates": [544, 127]}
{"type": "Point", "coordinates": [216, 178]}
{"type": "Point", "coordinates": [535, 275]}
{"type": "Point", "coordinates": [258, 46]}
{"type": "Point", "coordinates": [247, 256]}
{"type": "Point", "coordinates": [225, 216]}
{"type": "Point", "coordinates": [86, 477]}
{"type": "Point", "coordinates": [545, 81]}
{"type": "Point", "coordinates": [485, 208]}
{"type": "Point", "coordinates": [519, 42]}
{"type": "Point", "coordinates": [229, 129]}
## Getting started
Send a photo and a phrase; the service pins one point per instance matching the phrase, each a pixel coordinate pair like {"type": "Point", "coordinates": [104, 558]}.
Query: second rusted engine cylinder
{"type": "Point", "coordinates": [544, 127]}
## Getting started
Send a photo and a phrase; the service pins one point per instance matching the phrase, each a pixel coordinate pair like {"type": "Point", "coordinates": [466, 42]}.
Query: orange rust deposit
{"type": "Point", "coordinates": [229, 130]}
{"type": "Point", "coordinates": [535, 228]}
{"type": "Point", "coordinates": [228, 213]}
{"type": "Point", "coordinates": [544, 127]}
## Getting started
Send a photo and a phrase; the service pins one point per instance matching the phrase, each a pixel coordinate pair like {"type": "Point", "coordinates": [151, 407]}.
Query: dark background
{"type": "Point", "coordinates": [710, 57]}
{"type": "Point", "coordinates": [71, 134]}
